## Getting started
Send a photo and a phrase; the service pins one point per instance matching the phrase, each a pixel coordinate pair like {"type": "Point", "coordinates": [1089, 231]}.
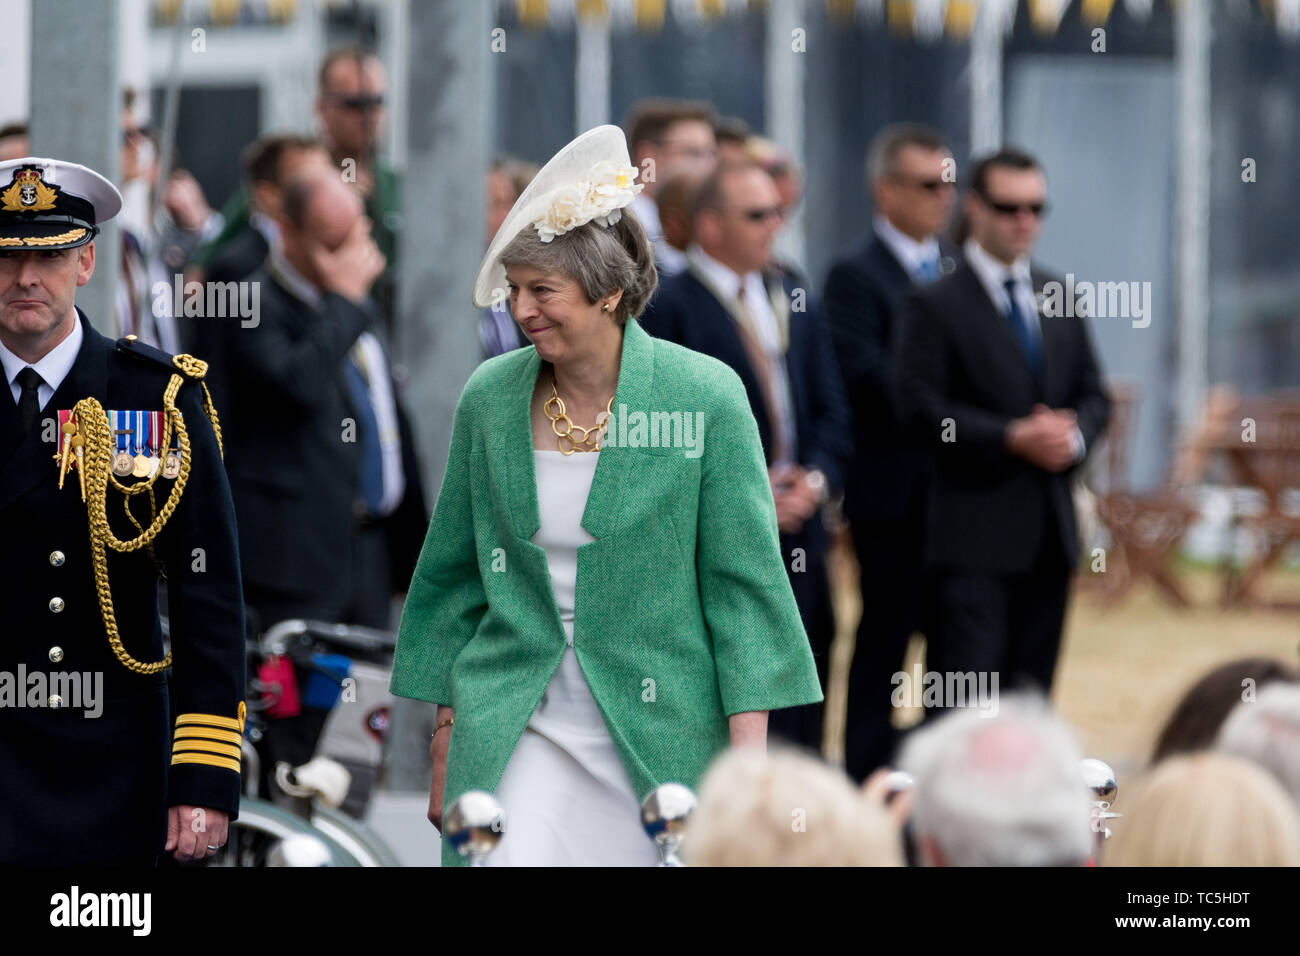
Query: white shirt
{"type": "Point", "coordinates": [267, 226]}
{"type": "Point", "coordinates": [563, 486]}
{"type": "Point", "coordinates": [729, 283]}
{"type": "Point", "coordinates": [53, 367]}
{"type": "Point", "coordinates": [993, 275]}
{"type": "Point", "coordinates": [909, 253]}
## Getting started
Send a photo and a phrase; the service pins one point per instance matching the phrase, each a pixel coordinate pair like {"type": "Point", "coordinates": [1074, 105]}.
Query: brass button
{"type": "Point", "coordinates": [56, 558]}
{"type": "Point", "coordinates": [56, 654]}
{"type": "Point", "coordinates": [55, 700]}
{"type": "Point", "coordinates": [56, 604]}
{"type": "Point", "coordinates": [130, 338]}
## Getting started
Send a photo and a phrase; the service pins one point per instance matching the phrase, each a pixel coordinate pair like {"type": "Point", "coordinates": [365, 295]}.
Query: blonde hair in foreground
{"type": "Point", "coordinates": [1206, 809]}
{"type": "Point", "coordinates": [785, 808]}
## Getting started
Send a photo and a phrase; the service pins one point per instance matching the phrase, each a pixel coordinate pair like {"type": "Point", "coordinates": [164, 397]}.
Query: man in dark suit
{"type": "Point", "coordinates": [767, 330]}
{"type": "Point", "coordinates": [884, 491]}
{"type": "Point", "coordinates": [320, 466]}
{"type": "Point", "coordinates": [321, 460]}
{"type": "Point", "coordinates": [269, 164]}
{"type": "Point", "coordinates": [1010, 401]}
{"type": "Point", "coordinates": [92, 772]}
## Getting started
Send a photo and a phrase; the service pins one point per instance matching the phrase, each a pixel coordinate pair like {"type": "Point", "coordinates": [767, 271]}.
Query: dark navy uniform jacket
{"type": "Point", "coordinates": [81, 789]}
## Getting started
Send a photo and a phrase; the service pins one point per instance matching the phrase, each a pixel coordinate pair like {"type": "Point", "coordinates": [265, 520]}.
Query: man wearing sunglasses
{"type": "Point", "coordinates": [1010, 401]}
{"type": "Point", "coordinates": [351, 90]}
{"type": "Point", "coordinates": [913, 189]}
{"type": "Point", "coordinates": [727, 304]}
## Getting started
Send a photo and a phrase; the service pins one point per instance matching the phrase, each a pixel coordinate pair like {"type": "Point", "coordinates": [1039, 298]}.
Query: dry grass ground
{"type": "Point", "coordinates": [1121, 669]}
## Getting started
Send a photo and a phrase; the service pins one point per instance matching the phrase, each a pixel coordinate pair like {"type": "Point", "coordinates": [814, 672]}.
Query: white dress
{"type": "Point", "coordinates": [567, 797]}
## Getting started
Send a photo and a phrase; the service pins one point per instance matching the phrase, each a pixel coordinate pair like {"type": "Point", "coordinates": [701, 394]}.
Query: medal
{"type": "Point", "coordinates": [155, 441]}
{"type": "Point", "coordinates": [141, 469]}
{"type": "Point", "coordinates": [122, 461]}
{"type": "Point", "coordinates": [172, 467]}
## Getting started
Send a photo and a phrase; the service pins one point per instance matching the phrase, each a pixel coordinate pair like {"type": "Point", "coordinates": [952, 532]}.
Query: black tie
{"type": "Point", "coordinates": [29, 403]}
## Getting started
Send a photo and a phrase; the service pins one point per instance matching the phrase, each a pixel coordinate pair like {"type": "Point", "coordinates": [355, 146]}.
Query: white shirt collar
{"type": "Point", "coordinates": [267, 226]}
{"type": "Point", "coordinates": [727, 280]}
{"type": "Point", "coordinates": [993, 272]}
{"type": "Point", "coordinates": [909, 253]}
{"type": "Point", "coordinates": [294, 281]}
{"type": "Point", "coordinates": [53, 366]}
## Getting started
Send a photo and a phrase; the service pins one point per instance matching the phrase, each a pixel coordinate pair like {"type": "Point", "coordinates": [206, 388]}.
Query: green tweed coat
{"type": "Point", "coordinates": [683, 613]}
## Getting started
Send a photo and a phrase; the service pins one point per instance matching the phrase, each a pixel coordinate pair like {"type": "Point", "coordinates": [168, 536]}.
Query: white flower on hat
{"type": "Point", "coordinates": [599, 197]}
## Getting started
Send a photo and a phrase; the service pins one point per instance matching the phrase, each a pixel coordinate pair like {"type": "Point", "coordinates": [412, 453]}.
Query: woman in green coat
{"type": "Point", "coordinates": [600, 605]}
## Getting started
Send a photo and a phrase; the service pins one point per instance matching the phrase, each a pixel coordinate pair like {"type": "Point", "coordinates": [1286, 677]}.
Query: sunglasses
{"type": "Point", "coordinates": [929, 185]}
{"type": "Point", "coordinates": [762, 215]}
{"type": "Point", "coordinates": [360, 102]}
{"type": "Point", "coordinates": [1014, 208]}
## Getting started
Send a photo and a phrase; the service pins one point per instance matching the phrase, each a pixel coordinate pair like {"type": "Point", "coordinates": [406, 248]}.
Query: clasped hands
{"type": "Point", "coordinates": [1045, 437]}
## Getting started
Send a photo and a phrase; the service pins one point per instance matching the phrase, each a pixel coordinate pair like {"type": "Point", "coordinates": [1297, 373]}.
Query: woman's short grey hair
{"type": "Point", "coordinates": [1001, 790]}
{"type": "Point", "coordinates": [602, 259]}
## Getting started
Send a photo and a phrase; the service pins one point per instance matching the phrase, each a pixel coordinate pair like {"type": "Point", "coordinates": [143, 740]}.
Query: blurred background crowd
{"type": "Point", "coordinates": [846, 155]}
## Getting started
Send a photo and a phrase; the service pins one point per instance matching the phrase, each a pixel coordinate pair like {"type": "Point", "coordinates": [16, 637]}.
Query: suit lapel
{"type": "Point", "coordinates": [1052, 339]}
{"type": "Point", "coordinates": [881, 256]}
{"type": "Point", "coordinates": [990, 315]}
{"type": "Point", "coordinates": [612, 479]}
{"type": "Point", "coordinates": [30, 460]}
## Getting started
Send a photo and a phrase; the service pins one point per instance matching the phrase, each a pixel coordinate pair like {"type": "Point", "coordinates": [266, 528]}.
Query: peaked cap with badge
{"type": "Point", "coordinates": [48, 204]}
{"type": "Point", "coordinates": [104, 723]}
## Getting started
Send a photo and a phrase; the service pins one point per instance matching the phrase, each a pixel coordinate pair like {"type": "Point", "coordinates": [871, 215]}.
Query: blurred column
{"type": "Point", "coordinates": [449, 108]}
{"type": "Point", "coordinates": [986, 77]}
{"type": "Point", "coordinates": [449, 114]}
{"type": "Point", "coordinates": [16, 55]}
{"type": "Point", "coordinates": [1192, 61]}
{"type": "Point", "coordinates": [783, 95]}
{"type": "Point", "coordinates": [591, 76]}
{"type": "Point", "coordinates": [76, 95]}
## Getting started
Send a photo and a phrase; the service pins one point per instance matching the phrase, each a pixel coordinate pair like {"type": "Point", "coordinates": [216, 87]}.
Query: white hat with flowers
{"type": "Point", "coordinates": [589, 180]}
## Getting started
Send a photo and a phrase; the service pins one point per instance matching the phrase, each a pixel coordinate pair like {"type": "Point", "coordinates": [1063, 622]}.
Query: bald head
{"type": "Point", "coordinates": [319, 209]}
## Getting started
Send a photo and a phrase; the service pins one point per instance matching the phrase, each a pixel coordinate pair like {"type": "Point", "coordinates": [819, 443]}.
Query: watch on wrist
{"type": "Point", "coordinates": [817, 482]}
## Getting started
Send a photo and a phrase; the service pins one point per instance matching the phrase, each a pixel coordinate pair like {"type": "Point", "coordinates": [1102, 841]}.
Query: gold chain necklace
{"type": "Point", "coordinates": [587, 442]}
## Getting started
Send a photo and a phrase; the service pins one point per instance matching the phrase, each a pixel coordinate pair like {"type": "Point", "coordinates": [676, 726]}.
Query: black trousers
{"type": "Point", "coordinates": [802, 725]}
{"type": "Point", "coordinates": [893, 584]}
{"type": "Point", "coordinates": [1005, 624]}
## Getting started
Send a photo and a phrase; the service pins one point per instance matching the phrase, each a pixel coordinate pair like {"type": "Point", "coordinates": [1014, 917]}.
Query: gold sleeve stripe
{"type": "Point", "coordinates": [221, 750]}
{"type": "Point", "coordinates": [207, 760]}
{"type": "Point", "coordinates": [210, 720]}
{"type": "Point", "coordinates": [232, 749]}
{"type": "Point", "coordinates": [224, 754]}
{"type": "Point", "coordinates": [207, 733]}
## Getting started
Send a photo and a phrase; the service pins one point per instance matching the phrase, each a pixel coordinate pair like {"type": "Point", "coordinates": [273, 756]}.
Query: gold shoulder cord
{"type": "Point", "coordinates": [92, 421]}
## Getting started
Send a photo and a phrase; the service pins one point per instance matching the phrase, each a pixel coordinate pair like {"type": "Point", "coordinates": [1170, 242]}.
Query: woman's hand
{"type": "Point", "coordinates": [748, 729]}
{"type": "Point", "coordinates": [438, 754]}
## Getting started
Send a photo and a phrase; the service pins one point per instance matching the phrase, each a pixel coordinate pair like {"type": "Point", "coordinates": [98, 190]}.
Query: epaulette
{"type": "Point", "coordinates": [186, 365]}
